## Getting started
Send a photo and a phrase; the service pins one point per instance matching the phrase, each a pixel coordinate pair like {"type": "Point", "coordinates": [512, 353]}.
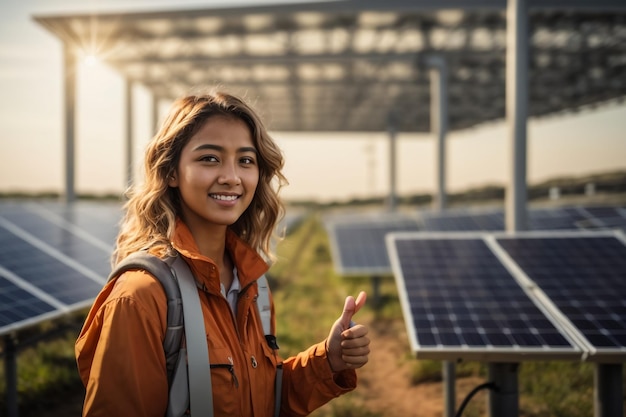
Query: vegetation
{"type": "Point", "coordinates": [46, 369]}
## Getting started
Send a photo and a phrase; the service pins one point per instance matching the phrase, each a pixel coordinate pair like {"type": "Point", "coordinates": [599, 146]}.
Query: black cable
{"type": "Point", "coordinates": [468, 397]}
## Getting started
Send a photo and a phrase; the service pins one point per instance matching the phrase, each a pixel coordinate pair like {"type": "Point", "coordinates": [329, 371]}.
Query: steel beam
{"type": "Point", "coordinates": [517, 113]}
{"type": "Point", "coordinates": [439, 124]}
{"type": "Point", "coordinates": [69, 102]}
{"type": "Point", "coordinates": [392, 129]}
{"type": "Point", "coordinates": [128, 114]}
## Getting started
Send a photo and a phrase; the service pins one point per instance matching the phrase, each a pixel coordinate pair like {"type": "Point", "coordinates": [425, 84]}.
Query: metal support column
{"type": "Point", "coordinates": [69, 104]}
{"type": "Point", "coordinates": [391, 122]}
{"type": "Point", "coordinates": [128, 107]}
{"type": "Point", "coordinates": [155, 114]}
{"type": "Point", "coordinates": [10, 373]}
{"type": "Point", "coordinates": [517, 111]}
{"type": "Point", "coordinates": [608, 393]}
{"type": "Point", "coordinates": [438, 73]}
{"type": "Point", "coordinates": [449, 392]}
{"type": "Point", "coordinates": [504, 400]}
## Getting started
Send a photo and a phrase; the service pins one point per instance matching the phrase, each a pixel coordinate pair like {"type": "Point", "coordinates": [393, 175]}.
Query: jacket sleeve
{"type": "Point", "coordinates": [309, 383]}
{"type": "Point", "coordinates": [120, 357]}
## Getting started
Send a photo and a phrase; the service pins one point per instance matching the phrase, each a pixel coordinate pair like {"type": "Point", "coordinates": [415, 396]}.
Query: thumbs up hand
{"type": "Point", "coordinates": [347, 345]}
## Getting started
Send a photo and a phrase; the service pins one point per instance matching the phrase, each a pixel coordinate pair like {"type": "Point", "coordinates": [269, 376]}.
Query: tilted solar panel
{"type": "Point", "coordinates": [463, 220]}
{"type": "Point", "coordinates": [98, 220]}
{"type": "Point", "coordinates": [576, 279]}
{"type": "Point", "coordinates": [27, 223]}
{"type": "Point", "coordinates": [358, 246]}
{"type": "Point", "coordinates": [461, 302]}
{"type": "Point", "coordinates": [49, 264]}
{"type": "Point", "coordinates": [19, 306]}
{"type": "Point", "coordinates": [554, 218]}
{"type": "Point", "coordinates": [584, 276]}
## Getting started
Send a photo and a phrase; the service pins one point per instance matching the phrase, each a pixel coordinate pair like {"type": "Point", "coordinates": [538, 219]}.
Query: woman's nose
{"type": "Point", "coordinates": [229, 174]}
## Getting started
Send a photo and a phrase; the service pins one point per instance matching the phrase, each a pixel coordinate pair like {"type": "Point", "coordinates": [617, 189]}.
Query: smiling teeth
{"type": "Point", "coordinates": [224, 197]}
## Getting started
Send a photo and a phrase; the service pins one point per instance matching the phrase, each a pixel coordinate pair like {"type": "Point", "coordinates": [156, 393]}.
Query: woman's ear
{"type": "Point", "coordinates": [172, 181]}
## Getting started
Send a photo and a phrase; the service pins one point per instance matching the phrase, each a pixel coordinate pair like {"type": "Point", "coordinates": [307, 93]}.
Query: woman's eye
{"type": "Point", "coordinates": [208, 158]}
{"type": "Point", "coordinates": [247, 160]}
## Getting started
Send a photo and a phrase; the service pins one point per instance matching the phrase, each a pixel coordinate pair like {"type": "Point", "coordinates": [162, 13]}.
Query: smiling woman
{"type": "Point", "coordinates": [210, 197]}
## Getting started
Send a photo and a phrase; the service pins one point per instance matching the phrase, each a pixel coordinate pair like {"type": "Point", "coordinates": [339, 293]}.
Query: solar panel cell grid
{"type": "Point", "coordinates": [584, 277]}
{"type": "Point", "coordinates": [17, 305]}
{"type": "Point", "coordinates": [54, 258]}
{"type": "Point", "coordinates": [62, 240]}
{"type": "Point", "coordinates": [44, 271]}
{"type": "Point", "coordinates": [461, 295]}
{"type": "Point", "coordinates": [360, 245]}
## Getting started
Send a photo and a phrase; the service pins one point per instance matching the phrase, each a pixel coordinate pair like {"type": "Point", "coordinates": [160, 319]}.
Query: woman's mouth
{"type": "Point", "coordinates": [223, 197]}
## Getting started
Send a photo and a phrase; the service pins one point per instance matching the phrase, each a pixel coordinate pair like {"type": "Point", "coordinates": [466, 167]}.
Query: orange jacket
{"type": "Point", "coordinates": [121, 361]}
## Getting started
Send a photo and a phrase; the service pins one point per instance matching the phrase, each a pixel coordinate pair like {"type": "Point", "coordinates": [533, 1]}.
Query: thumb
{"type": "Point", "coordinates": [350, 308]}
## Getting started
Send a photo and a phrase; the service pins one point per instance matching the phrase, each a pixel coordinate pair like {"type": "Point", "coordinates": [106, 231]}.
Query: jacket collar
{"type": "Point", "coordinates": [250, 265]}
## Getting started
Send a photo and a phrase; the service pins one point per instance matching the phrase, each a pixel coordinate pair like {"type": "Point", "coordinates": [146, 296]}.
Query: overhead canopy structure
{"type": "Point", "coordinates": [346, 65]}
{"type": "Point", "coordinates": [366, 65]}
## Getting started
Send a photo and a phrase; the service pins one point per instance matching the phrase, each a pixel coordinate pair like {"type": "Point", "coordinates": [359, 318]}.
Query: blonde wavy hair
{"type": "Point", "coordinates": [152, 206]}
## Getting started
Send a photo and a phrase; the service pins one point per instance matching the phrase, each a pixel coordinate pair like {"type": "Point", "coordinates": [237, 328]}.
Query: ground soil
{"type": "Point", "coordinates": [385, 385]}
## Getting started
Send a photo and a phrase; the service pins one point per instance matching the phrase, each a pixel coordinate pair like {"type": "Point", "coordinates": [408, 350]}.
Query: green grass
{"type": "Point", "coordinates": [46, 374]}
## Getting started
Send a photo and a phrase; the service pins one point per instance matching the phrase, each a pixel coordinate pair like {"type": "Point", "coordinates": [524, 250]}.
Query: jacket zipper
{"type": "Point", "coordinates": [231, 368]}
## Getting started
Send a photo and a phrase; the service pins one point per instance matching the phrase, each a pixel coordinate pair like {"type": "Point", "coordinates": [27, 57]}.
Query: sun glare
{"type": "Point", "coordinates": [90, 60]}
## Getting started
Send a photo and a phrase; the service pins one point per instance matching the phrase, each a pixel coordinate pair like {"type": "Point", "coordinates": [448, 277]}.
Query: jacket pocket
{"type": "Point", "coordinates": [225, 382]}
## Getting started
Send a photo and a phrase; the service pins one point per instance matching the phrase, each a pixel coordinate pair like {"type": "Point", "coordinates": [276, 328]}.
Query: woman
{"type": "Point", "coordinates": [208, 195]}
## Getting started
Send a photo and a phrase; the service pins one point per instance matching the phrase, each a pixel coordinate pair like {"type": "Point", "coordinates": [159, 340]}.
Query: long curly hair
{"type": "Point", "coordinates": [152, 206]}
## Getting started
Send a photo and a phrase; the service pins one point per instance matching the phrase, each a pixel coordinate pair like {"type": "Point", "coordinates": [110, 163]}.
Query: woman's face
{"type": "Point", "coordinates": [217, 173]}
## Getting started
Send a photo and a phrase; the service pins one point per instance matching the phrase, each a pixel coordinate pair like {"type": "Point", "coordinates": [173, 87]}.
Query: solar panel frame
{"type": "Point", "coordinates": [575, 351]}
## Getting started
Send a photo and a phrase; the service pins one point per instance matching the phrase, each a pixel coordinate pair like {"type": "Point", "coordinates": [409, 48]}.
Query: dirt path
{"type": "Point", "coordinates": [385, 382]}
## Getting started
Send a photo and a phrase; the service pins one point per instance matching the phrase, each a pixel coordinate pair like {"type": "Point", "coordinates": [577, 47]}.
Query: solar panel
{"type": "Point", "coordinates": [556, 218]}
{"type": "Point", "coordinates": [552, 219]}
{"type": "Point", "coordinates": [460, 302]}
{"type": "Point", "coordinates": [53, 260]}
{"type": "Point", "coordinates": [463, 220]}
{"type": "Point", "coordinates": [32, 223]}
{"type": "Point", "coordinates": [18, 306]}
{"type": "Point", "coordinates": [584, 276]}
{"type": "Point", "coordinates": [96, 219]}
{"type": "Point", "coordinates": [358, 245]}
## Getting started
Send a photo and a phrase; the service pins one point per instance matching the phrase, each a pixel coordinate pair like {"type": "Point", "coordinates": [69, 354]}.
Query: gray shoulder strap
{"type": "Point", "coordinates": [200, 389]}
{"type": "Point", "coordinates": [160, 269]}
{"type": "Point", "coordinates": [265, 311]}
{"type": "Point", "coordinates": [263, 304]}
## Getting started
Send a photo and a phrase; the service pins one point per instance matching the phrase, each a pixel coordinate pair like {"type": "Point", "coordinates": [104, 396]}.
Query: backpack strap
{"type": "Point", "coordinates": [160, 269]}
{"type": "Point", "coordinates": [265, 311]}
{"type": "Point", "coordinates": [200, 403]}
{"type": "Point", "coordinates": [183, 310]}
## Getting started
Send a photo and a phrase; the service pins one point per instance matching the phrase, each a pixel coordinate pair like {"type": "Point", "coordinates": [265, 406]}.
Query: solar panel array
{"type": "Point", "coordinates": [559, 218]}
{"type": "Point", "coordinates": [499, 297]}
{"type": "Point", "coordinates": [54, 258]}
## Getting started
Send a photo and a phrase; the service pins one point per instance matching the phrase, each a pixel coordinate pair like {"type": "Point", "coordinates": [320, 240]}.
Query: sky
{"type": "Point", "coordinates": [321, 167]}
